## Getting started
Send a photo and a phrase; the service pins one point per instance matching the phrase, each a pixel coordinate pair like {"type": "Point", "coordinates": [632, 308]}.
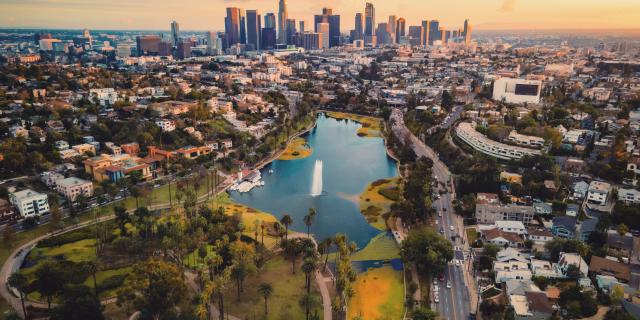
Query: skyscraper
{"type": "Point", "coordinates": [383, 34]}
{"type": "Point", "coordinates": [327, 16]}
{"type": "Point", "coordinates": [370, 19]}
{"type": "Point", "coordinates": [254, 27]}
{"type": "Point", "coordinates": [290, 28]}
{"type": "Point", "coordinates": [392, 28]}
{"type": "Point", "coordinates": [400, 29]}
{"type": "Point", "coordinates": [232, 26]}
{"type": "Point", "coordinates": [323, 29]}
{"type": "Point", "coordinates": [270, 20]}
{"type": "Point", "coordinates": [148, 45]}
{"type": "Point", "coordinates": [243, 27]}
{"type": "Point", "coordinates": [183, 49]}
{"type": "Point", "coordinates": [467, 32]}
{"type": "Point", "coordinates": [416, 33]}
{"type": "Point", "coordinates": [213, 42]}
{"type": "Point", "coordinates": [283, 15]}
{"type": "Point", "coordinates": [358, 33]}
{"type": "Point", "coordinates": [434, 31]}
{"type": "Point", "coordinates": [175, 33]}
{"type": "Point", "coordinates": [426, 32]}
{"type": "Point", "coordinates": [302, 26]}
{"type": "Point", "coordinates": [268, 38]}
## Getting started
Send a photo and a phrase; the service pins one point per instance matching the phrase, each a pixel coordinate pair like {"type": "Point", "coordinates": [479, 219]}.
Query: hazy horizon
{"type": "Point", "coordinates": [196, 15]}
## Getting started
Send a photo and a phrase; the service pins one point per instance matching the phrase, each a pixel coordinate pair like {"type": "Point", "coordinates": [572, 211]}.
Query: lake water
{"type": "Point", "coordinates": [349, 164]}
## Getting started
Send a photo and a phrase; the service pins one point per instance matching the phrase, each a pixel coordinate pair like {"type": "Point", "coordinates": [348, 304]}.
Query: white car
{"type": "Point", "coordinates": [448, 284]}
{"type": "Point", "coordinates": [440, 214]}
{"type": "Point", "coordinates": [451, 228]}
{"type": "Point", "coordinates": [436, 299]}
{"type": "Point", "coordinates": [458, 263]}
{"type": "Point", "coordinates": [437, 222]}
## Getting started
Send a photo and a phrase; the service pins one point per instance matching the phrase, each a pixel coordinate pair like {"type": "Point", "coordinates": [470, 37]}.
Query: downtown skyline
{"type": "Point", "coordinates": [200, 15]}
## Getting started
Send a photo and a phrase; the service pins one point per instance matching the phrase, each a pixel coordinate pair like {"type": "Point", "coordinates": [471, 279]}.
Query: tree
{"type": "Point", "coordinates": [622, 229]}
{"type": "Point", "coordinates": [19, 281]}
{"type": "Point", "coordinates": [122, 217]}
{"type": "Point", "coordinates": [424, 314]}
{"type": "Point", "coordinates": [92, 268]}
{"type": "Point", "coordinates": [428, 250]}
{"type": "Point", "coordinates": [286, 221]}
{"type": "Point", "coordinates": [242, 257]}
{"type": "Point", "coordinates": [308, 220]}
{"type": "Point", "coordinates": [265, 289]}
{"type": "Point", "coordinates": [308, 302]}
{"type": "Point", "coordinates": [78, 304]}
{"type": "Point", "coordinates": [154, 287]}
{"type": "Point", "coordinates": [49, 281]}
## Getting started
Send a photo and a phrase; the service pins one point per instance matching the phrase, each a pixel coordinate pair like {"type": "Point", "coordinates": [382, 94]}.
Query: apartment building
{"type": "Point", "coordinates": [30, 203]}
{"type": "Point", "coordinates": [489, 214]}
{"type": "Point", "coordinates": [72, 187]}
{"type": "Point", "coordinates": [466, 131]}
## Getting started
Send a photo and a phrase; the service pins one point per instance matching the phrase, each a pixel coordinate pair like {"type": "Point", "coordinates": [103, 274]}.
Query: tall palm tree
{"type": "Point", "coordinates": [309, 219]}
{"type": "Point", "coordinates": [326, 243]}
{"type": "Point", "coordinates": [286, 220]}
{"type": "Point", "coordinates": [265, 289]}
{"type": "Point", "coordinates": [19, 281]}
{"type": "Point", "coordinates": [308, 267]}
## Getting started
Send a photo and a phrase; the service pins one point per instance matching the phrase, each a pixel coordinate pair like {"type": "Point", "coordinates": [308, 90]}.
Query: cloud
{"type": "Point", "coordinates": [508, 5]}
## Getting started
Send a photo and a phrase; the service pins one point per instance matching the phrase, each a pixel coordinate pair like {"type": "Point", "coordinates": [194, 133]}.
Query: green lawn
{"type": "Point", "coordinates": [472, 235]}
{"type": "Point", "coordinates": [283, 303]}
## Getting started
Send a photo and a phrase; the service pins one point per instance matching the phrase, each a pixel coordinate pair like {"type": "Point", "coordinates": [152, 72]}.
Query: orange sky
{"type": "Point", "coordinates": [208, 14]}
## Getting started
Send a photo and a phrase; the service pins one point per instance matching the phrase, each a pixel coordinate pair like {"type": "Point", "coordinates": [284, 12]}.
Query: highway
{"type": "Point", "coordinates": [454, 303]}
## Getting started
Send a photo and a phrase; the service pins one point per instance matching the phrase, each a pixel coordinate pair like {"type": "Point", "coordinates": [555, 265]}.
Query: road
{"type": "Point", "coordinates": [454, 302]}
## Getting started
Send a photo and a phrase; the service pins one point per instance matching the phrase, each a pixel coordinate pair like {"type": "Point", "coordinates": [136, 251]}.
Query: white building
{"type": "Point", "coordinates": [467, 132]}
{"type": "Point", "coordinates": [598, 192]}
{"type": "Point", "coordinates": [511, 226]}
{"type": "Point", "coordinates": [104, 96]}
{"type": "Point", "coordinates": [512, 90]}
{"type": "Point", "coordinates": [30, 203]}
{"type": "Point", "coordinates": [567, 259]}
{"type": "Point", "coordinates": [166, 125]}
{"type": "Point", "coordinates": [524, 140]}
{"type": "Point", "coordinates": [489, 214]}
{"type": "Point", "coordinates": [629, 196]}
{"type": "Point", "coordinates": [72, 187]}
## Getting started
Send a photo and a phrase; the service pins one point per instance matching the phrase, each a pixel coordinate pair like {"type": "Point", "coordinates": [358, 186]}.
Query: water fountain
{"type": "Point", "coordinates": [316, 182]}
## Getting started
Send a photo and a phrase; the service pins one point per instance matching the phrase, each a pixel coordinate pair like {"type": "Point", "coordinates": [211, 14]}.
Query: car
{"type": "Point", "coordinates": [435, 281]}
{"type": "Point", "coordinates": [436, 222]}
{"type": "Point", "coordinates": [436, 299]}
{"type": "Point", "coordinates": [436, 288]}
{"type": "Point", "coordinates": [448, 284]}
{"type": "Point", "coordinates": [457, 262]}
{"type": "Point", "coordinates": [441, 277]}
{"type": "Point", "coordinates": [451, 228]}
{"type": "Point", "coordinates": [441, 231]}
{"type": "Point", "coordinates": [440, 214]}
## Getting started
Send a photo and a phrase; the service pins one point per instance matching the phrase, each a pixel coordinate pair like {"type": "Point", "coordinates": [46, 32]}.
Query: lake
{"type": "Point", "coordinates": [349, 164]}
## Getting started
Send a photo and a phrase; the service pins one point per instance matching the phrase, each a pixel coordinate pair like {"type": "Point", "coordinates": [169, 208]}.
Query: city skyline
{"type": "Point", "coordinates": [198, 15]}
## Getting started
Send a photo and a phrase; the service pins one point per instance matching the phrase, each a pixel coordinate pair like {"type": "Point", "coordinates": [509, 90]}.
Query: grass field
{"type": "Point", "coordinates": [381, 247]}
{"type": "Point", "coordinates": [472, 235]}
{"type": "Point", "coordinates": [371, 127]}
{"type": "Point", "coordinates": [296, 149]}
{"type": "Point", "coordinates": [283, 303]}
{"type": "Point", "coordinates": [374, 205]}
{"type": "Point", "coordinates": [379, 295]}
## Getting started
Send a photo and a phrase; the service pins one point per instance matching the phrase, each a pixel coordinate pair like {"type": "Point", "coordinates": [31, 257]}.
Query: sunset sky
{"type": "Point", "coordinates": [208, 14]}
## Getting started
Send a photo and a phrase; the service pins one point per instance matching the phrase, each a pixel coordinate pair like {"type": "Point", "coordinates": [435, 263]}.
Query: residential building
{"type": "Point", "coordinates": [568, 259]}
{"type": "Point", "coordinates": [30, 203]}
{"type": "Point", "coordinates": [466, 131]}
{"type": "Point", "coordinates": [564, 227]}
{"type": "Point", "coordinates": [629, 196]}
{"type": "Point", "coordinates": [72, 187]}
{"type": "Point", "coordinates": [517, 91]}
{"type": "Point", "coordinates": [598, 192]}
{"type": "Point", "coordinates": [489, 214]}
{"type": "Point", "coordinates": [511, 226]}
{"type": "Point", "coordinates": [524, 140]}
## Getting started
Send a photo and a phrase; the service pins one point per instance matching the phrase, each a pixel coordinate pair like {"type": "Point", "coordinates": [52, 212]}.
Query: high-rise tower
{"type": "Point", "coordinates": [358, 30]}
{"type": "Point", "coordinates": [232, 26]}
{"type": "Point", "coordinates": [254, 28]}
{"type": "Point", "coordinates": [283, 15]}
{"type": "Point", "coordinates": [369, 19]}
{"type": "Point", "coordinates": [175, 33]}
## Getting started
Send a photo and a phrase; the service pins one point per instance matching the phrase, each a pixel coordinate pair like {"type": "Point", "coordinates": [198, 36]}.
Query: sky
{"type": "Point", "coordinates": [209, 14]}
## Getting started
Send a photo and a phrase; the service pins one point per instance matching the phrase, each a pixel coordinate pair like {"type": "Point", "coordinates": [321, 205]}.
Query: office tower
{"type": "Point", "coordinates": [212, 42]}
{"type": "Point", "coordinates": [232, 26]}
{"type": "Point", "coordinates": [400, 29]}
{"type": "Point", "coordinates": [268, 38]}
{"type": "Point", "coordinates": [270, 20]}
{"type": "Point", "coordinates": [282, 20]}
{"type": "Point", "coordinates": [301, 28]}
{"type": "Point", "coordinates": [443, 35]}
{"type": "Point", "coordinates": [467, 32]}
{"type": "Point", "coordinates": [184, 49]}
{"type": "Point", "coordinates": [254, 26]}
{"type": "Point", "coordinates": [434, 31]}
{"type": "Point", "coordinates": [165, 49]}
{"type": "Point", "coordinates": [426, 30]}
{"type": "Point", "coordinates": [383, 33]}
{"type": "Point", "coordinates": [290, 28]}
{"type": "Point", "coordinates": [323, 29]}
{"type": "Point", "coordinates": [393, 21]}
{"type": "Point", "coordinates": [416, 33]}
{"type": "Point", "coordinates": [312, 41]}
{"type": "Point", "coordinates": [370, 19]}
{"type": "Point", "coordinates": [327, 16]}
{"type": "Point", "coordinates": [358, 32]}
{"type": "Point", "coordinates": [175, 33]}
{"type": "Point", "coordinates": [243, 27]}
{"type": "Point", "coordinates": [148, 45]}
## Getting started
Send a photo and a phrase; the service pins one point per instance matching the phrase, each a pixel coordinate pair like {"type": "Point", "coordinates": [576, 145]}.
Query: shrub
{"type": "Point", "coordinates": [112, 282]}
{"type": "Point", "coordinates": [65, 238]}
{"type": "Point", "coordinates": [380, 182]}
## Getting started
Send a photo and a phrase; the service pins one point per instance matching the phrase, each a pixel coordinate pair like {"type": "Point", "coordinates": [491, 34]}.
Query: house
{"type": "Point", "coordinates": [132, 148]}
{"type": "Point", "coordinates": [542, 208]}
{"type": "Point", "coordinates": [580, 190]}
{"type": "Point", "coordinates": [572, 210]}
{"type": "Point", "coordinates": [544, 268]}
{"type": "Point", "coordinates": [502, 238]}
{"type": "Point", "coordinates": [6, 210]}
{"type": "Point", "coordinates": [487, 198]}
{"type": "Point", "coordinates": [511, 226]}
{"type": "Point", "coordinates": [569, 259]}
{"type": "Point", "coordinates": [191, 152]}
{"type": "Point", "coordinates": [586, 228]}
{"type": "Point", "coordinates": [539, 236]}
{"type": "Point", "coordinates": [511, 254]}
{"type": "Point", "coordinates": [564, 227]}
{"type": "Point", "coordinates": [598, 192]}
{"type": "Point", "coordinates": [518, 274]}
{"type": "Point", "coordinates": [226, 143]}
{"type": "Point", "coordinates": [30, 203]}
{"type": "Point", "coordinates": [61, 145]}
{"type": "Point", "coordinates": [629, 196]}
{"type": "Point", "coordinates": [166, 125]}
{"type": "Point", "coordinates": [620, 244]}
{"type": "Point", "coordinates": [610, 267]}
{"type": "Point", "coordinates": [527, 300]}
{"type": "Point", "coordinates": [84, 148]}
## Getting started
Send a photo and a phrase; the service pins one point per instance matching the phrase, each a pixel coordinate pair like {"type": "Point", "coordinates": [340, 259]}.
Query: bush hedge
{"type": "Point", "coordinates": [392, 193]}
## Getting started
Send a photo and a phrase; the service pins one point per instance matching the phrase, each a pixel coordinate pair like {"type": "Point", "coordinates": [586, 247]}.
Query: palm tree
{"type": "Point", "coordinates": [19, 281]}
{"type": "Point", "coordinates": [265, 289]}
{"type": "Point", "coordinates": [286, 220]}
{"type": "Point", "coordinates": [308, 220]}
{"type": "Point", "coordinates": [326, 243]}
{"type": "Point", "coordinates": [308, 267]}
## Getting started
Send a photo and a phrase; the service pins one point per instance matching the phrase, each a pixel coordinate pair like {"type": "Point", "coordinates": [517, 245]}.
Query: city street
{"type": "Point", "coordinates": [454, 302]}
